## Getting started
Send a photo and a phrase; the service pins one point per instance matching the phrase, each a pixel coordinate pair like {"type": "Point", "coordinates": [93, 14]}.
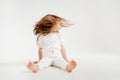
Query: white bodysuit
{"type": "Point", "coordinates": [51, 54]}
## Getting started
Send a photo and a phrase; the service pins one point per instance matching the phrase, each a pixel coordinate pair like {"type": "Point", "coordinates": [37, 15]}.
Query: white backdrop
{"type": "Point", "coordinates": [96, 29]}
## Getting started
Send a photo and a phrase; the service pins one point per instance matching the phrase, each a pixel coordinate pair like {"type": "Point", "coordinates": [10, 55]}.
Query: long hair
{"type": "Point", "coordinates": [44, 25]}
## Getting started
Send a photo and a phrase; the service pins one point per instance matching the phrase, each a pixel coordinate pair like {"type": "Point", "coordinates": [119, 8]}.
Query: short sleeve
{"type": "Point", "coordinates": [60, 38]}
{"type": "Point", "coordinates": [39, 41]}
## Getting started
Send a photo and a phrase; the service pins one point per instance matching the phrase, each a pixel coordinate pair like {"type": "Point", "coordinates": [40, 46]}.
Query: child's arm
{"type": "Point", "coordinates": [63, 51]}
{"type": "Point", "coordinates": [39, 55]}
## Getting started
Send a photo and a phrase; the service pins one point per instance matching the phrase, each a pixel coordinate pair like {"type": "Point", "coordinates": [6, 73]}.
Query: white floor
{"type": "Point", "coordinates": [90, 67]}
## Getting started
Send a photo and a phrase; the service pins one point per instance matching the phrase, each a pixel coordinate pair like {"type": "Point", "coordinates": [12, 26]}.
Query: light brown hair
{"type": "Point", "coordinates": [44, 25]}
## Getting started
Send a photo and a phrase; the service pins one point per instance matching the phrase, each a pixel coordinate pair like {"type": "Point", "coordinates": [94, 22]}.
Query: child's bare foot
{"type": "Point", "coordinates": [33, 67]}
{"type": "Point", "coordinates": [71, 66]}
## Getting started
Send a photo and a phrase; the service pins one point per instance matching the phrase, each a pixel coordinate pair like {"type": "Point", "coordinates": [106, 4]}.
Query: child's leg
{"type": "Point", "coordinates": [71, 65]}
{"type": "Point", "coordinates": [45, 62]}
{"type": "Point", "coordinates": [33, 67]}
{"type": "Point", "coordinates": [60, 62]}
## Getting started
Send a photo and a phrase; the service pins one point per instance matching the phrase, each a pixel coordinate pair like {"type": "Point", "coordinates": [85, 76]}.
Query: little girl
{"type": "Point", "coordinates": [51, 51]}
